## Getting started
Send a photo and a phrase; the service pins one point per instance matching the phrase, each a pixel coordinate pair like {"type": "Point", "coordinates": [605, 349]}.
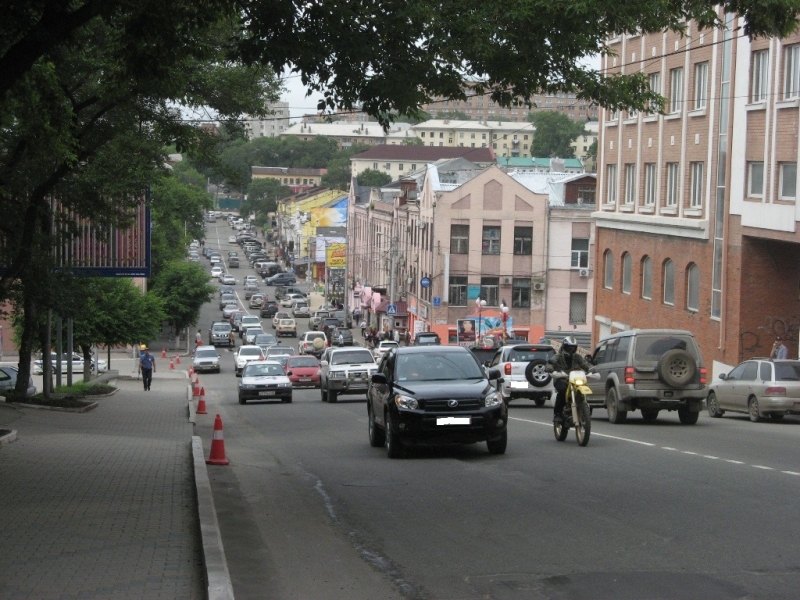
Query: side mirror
{"type": "Point", "coordinates": [723, 376]}
{"type": "Point", "coordinates": [590, 359]}
{"type": "Point", "coordinates": [289, 373]}
{"type": "Point", "coordinates": [488, 363]}
{"type": "Point", "coordinates": [379, 379]}
{"type": "Point", "coordinates": [323, 363]}
{"type": "Point", "coordinates": [494, 374]}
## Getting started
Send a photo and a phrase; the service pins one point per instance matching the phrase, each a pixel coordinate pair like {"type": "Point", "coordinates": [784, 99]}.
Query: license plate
{"type": "Point", "coordinates": [266, 393]}
{"type": "Point", "coordinates": [519, 384]}
{"type": "Point", "coordinates": [305, 379]}
{"type": "Point", "coordinates": [453, 420]}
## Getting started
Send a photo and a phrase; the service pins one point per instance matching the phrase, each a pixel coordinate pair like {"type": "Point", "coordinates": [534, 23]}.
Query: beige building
{"type": "Point", "coordinates": [346, 134]}
{"type": "Point", "coordinates": [504, 138]}
{"type": "Point", "coordinates": [582, 144]}
{"type": "Point", "coordinates": [397, 161]}
{"type": "Point", "coordinates": [298, 179]}
{"type": "Point", "coordinates": [482, 107]}
{"type": "Point", "coordinates": [270, 126]}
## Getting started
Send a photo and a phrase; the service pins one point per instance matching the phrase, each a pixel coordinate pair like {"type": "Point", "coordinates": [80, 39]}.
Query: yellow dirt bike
{"type": "Point", "coordinates": [576, 410]}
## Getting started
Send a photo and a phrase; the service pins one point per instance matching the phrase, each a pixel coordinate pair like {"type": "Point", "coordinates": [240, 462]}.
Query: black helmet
{"type": "Point", "coordinates": [569, 345]}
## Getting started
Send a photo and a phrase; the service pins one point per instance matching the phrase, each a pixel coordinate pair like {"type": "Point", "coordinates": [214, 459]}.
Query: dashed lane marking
{"type": "Point", "coordinates": [667, 448]}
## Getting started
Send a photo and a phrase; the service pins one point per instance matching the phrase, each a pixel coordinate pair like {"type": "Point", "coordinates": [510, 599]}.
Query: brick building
{"type": "Point", "coordinates": [696, 214]}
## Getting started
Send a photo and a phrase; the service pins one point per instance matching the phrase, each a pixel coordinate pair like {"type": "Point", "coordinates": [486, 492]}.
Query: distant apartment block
{"type": "Point", "coordinates": [271, 126]}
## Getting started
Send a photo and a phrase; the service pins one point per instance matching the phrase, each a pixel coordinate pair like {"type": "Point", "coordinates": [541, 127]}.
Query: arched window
{"type": "Point", "coordinates": [669, 282]}
{"type": "Point", "coordinates": [647, 278]}
{"type": "Point", "coordinates": [627, 275]}
{"type": "Point", "coordinates": [693, 287]}
{"type": "Point", "coordinates": [608, 279]}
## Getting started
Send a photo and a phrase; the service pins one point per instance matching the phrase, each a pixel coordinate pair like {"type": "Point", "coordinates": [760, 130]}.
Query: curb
{"type": "Point", "coordinates": [192, 409]}
{"type": "Point", "coordinates": [83, 409]}
{"type": "Point", "coordinates": [8, 438]}
{"type": "Point", "coordinates": [217, 574]}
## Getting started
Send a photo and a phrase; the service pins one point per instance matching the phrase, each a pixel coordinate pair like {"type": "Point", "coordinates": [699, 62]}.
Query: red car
{"type": "Point", "coordinates": [303, 371]}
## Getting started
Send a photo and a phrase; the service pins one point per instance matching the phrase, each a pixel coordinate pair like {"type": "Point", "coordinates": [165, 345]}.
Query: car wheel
{"type": "Point", "coordinates": [712, 404]}
{"type": "Point", "coordinates": [394, 447]}
{"type": "Point", "coordinates": [753, 410]}
{"type": "Point", "coordinates": [540, 401]}
{"type": "Point", "coordinates": [377, 437]}
{"type": "Point", "coordinates": [332, 396]}
{"type": "Point", "coordinates": [242, 400]}
{"type": "Point", "coordinates": [688, 417]}
{"type": "Point", "coordinates": [323, 393]}
{"type": "Point", "coordinates": [498, 446]}
{"type": "Point", "coordinates": [536, 373]}
{"type": "Point", "coordinates": [288, 400]}
{"type": "Point", "coordinates": [615, 415]}
{"type": "Point", "coordinates": [649, 414]}
{"type": "Point", "coordinates": [677, 368]}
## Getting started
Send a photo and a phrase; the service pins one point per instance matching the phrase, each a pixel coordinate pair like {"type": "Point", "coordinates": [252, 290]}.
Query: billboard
{"type": "Point", "coordinates": [330, 216]}
{"type": "Point", "coordinates": [466, 331]}
{"type": "Point", "coordinates": [336, 256]}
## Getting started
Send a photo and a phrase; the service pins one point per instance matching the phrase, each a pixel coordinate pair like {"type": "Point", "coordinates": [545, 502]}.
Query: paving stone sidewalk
{"type": "Point", "coordinates": [101, 504]}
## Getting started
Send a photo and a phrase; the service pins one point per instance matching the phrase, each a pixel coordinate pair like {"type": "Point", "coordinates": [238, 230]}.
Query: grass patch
{"type": "Point", "coordinates": [65, 396]}
{"type": "Point", "coordinates": [59, 400]}
{"type": "Point", "coordinates": [81, 388]}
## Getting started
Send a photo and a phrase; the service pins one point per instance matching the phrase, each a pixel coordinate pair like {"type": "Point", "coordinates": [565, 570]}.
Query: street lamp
{"type": "Point", "coordinates": [504, 311]}
{"type": "Point", "coordinates": [481, 305]}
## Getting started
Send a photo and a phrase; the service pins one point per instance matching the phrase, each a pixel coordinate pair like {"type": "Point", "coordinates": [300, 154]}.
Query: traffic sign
{"type": "Point", "coordinates": [391, 310]}
{"type": "Point", "coordinates": [425, 282]}
{"type": "Point", "coordinates": [437, 301]}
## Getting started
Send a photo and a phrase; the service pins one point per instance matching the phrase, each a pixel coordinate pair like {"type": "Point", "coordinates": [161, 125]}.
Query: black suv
{"type": "Point", "coordinates": [269, 308]}
{"type": "Point", "coordinates": [281, 279]}
{"type": "Point", "coordinates": [434, 395]}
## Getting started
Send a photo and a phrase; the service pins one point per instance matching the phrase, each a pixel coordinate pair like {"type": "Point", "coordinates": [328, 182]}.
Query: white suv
{"type": "Point", "coordinates": [308, 344]}
{"type": "Point", "coordinates": [345, 371]}
{"type": "Point", "coordinates": [245, 355]}
{"type": "Point", "coordinates": [512, 361]}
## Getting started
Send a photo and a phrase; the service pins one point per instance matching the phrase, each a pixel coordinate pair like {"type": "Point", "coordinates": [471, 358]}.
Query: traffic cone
{"type": "Point", "coordinates": [191, 372]}
{"type": "Point", "coordinates": [171, 365]}
{"type": "Point", "coordinates": [195, 391]}
{"type": "Point", "coordinates": [164, 352]}
{"type": "Point", "coordinates": [196, 381]}
{"type": "Point", "coordinates": [177, 359]}
{"type": "Point", "coordinates": [217, 455]}
{"type": "Point", "coordinates": [201, 403]}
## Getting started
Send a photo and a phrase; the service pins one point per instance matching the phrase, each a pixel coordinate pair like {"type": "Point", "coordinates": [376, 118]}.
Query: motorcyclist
{"type": "Point", "coordinates": [566, 360]}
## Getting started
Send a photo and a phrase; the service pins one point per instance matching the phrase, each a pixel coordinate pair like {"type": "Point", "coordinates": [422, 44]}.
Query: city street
{"type": "Point", "coordinates": [646, 511]}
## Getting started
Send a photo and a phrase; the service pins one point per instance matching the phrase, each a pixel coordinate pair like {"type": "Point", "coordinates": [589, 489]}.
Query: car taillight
{"type": "Point", "coordinates": [703, 375]}
{"type": "Point", "coordinates": [507, 369]}
{"type": "Point", "coordinates": [775, 391]}
{"type": "Point", "coordinates": [629, 375]}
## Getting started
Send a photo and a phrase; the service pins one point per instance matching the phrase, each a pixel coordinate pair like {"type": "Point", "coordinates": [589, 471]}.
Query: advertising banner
{"type": "Point", "coordinates": [466, 331]}
{"type": "Point", "coordinates": [336, 256]}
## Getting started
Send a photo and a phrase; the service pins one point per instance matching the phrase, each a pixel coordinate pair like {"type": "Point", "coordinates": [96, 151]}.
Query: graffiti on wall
{"type": "Point", "coordinates": [759, 342]}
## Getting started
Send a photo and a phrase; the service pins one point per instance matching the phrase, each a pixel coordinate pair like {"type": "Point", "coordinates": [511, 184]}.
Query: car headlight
{"type": "Point", "coordinates": [248, 386]}
{"type": "Point", "coordinates": [286, 384]}
{"type": "Point", "coordinates": [493, 399]}
{"type": "Point", "coordinates": [406, 402]}
{"type": "Point", "coordinates": [338, 375]}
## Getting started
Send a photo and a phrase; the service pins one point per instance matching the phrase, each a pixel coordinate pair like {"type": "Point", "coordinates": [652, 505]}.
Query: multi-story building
{"type": "Point", "coordinates": [270, 126]}
{"type": "Point", "coordinates": [299, 180]}
{"type": "Point", "coordinates": [482, 108]}
{"type": "Point", "coordinates": [697, 210]}
{"type": "Point", "coordinates": [582, 144]}
{"type": "Point", "coordinates": [526, 164]}
{"type": "Point", "coordinates": [401, 160]}
{"type": "Point", "coordinates": [505, 138]}
{"type": "Point", "coordinates": [346, 134]}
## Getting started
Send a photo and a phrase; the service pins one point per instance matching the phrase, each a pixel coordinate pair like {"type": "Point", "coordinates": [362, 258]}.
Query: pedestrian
{"type": "Point", "coordinates": [198, 339]}
{"type": "Point", "coordinates": [340, 339]}
{"type": "Point", "coordinates": [408, 337]}
{"type": "Point", "coordinates": [231, 339]}
{"type": "Point", "coordinates": [778, 349]}
{"type": "Point", "coordinates": [363, 326]}
{"type": "Point", "coordinates": [396, 336]}
{"type": "Point", "coordinates": [147, 366]}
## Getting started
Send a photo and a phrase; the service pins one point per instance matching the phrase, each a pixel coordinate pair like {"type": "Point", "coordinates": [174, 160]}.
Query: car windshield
{"type": "Point", "coordinates": [427, 340]}
{"type": "Point", "coordinates": [523, 354]}
{"type": "Point", "coordinates": [305, 361]}
{"type": "Point", "coordinates": [250, 320]}
{"type": "Point", "coordinates": [650, 348]}
{"type": "Point", "coordinates": [221, 327]}
{"type": "Point", "coordinates": [387, 345]}
{"type": "Point", "coordinates": [206, 354]}
{"type": "Point", "coordinates": [788, 371]}
{"type": "Point", "coordinates": [451, 366]}
{"type": "Point", "coordinates": [350, 357]}
{"type": "Point", "coordinates": [285, 350]}
{"type": "Point", "coordinates": [264, 371]}
{"type": "Point", "coordinates": [286, 322]}
{"type": "Point", "coordinates": [265, 338]}
{"type": "Point", "coordinates": [250, 351]}
{"type": "Point", "coordinates": [317, 335]}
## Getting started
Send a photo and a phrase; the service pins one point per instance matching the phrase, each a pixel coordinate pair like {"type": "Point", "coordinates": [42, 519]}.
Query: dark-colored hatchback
{"type": "Point", "coordinates": [434, 395]}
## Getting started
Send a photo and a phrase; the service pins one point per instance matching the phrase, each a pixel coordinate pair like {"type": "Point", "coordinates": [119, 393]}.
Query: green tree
{"type": "Point", "coordinates": [373, 178]}
{"type": "Point", "coordinates": [339, 168]}
{"type": "Point", "coordinates": [554, 134]}
{"type": "Point", "coordinates": [592, 151]}
{"type": "Point", "coordinates": [183, 289]}
{"type": "Point", "coordinates": [262, 198]}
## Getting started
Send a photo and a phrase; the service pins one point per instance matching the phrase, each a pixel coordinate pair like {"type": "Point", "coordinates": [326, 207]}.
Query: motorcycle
{"type": "Point", "coordinates": [576, 413]}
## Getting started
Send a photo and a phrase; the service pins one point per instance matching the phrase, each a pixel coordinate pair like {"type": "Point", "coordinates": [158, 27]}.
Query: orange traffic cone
{"type": "Point", "coordinates": [191, 372]}
{"type": "Point", "coordinates": [171, 365]}
{"type": "Point", "coordinates": [164, 352]}
{"type": "Point", "coordinates": [177, 359]}
{"type": "Point", "coordinates": [195, 391]}
{"type": "Point", "coordinates": [217, 455]}
{"type": "Point", "coordinates": [201, 403]}
{"type": "Point", "coordinates": [196, 381]}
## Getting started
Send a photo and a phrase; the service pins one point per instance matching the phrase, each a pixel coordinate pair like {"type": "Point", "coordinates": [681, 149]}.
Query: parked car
{"type": "Point", "coordinates": [284, 290]}
{"type": "Point", "coordinates": [264, 380]}
{"type": "Point", "coordinates": [382, 348]}
{"type": "Point", "coordinates": [244, 355]}
{"type": "Point", "coordinates": [344, 321]}
{"type": "Point", "coordinates": [282, 279]}
{"type": "Point", "coordinates": [219, 334]}
{"type": "Point", "coordinates": [760, 387]}
{"type": "Point", "coordinates": [345, 371]}
{"type": "Point", "coordinates": [206, 358]}
{"type": "Point", "coordinates": [287, 327]}
{"type": "Point", "coordinates": [8, 380]}
{"type": "Point", "coordinates": [77, 364]}
{"type": "Point", "coordinates": [300, 309]}
{"type": "Point", "coordinates": [650, 370]}
{"type": "Point", "coordinates": [512, 362]}
{"type": "Point", "coordinates": [303, 371]}
{"type": "Point", "coordinates": [327, 326]}
{"type": "Point", "coordinates": [308, 343]}
{"type": "Point", "coordinates": [441, 395]}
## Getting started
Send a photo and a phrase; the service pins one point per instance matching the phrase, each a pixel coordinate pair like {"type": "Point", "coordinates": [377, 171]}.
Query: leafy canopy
{"type": "Point", "coordinates": [554, 133]}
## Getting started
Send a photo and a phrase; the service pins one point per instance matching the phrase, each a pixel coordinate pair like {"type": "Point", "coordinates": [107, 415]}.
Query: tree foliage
{"type": "Point", "coordinates": [554, 134]}
{"type": "Point", "coordinates": [373, 178]}
{"type": "Point", "coordinates": [455, 115]}
{"type": "Point", "coordinates": [262, 198]}
{"type": "Point", "coordinates": [183, 288]}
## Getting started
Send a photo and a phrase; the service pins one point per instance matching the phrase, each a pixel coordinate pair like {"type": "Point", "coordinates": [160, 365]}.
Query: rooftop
{"type": "Point", "coordinates": [426, 153]}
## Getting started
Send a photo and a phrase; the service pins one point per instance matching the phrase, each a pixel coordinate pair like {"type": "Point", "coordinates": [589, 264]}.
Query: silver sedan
{"type": "Point", "coordinates": [759, 387]}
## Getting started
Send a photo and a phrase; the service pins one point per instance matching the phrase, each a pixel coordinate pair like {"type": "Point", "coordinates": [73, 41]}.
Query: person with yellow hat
{"type": "Point", "coordinates": [147, 366]}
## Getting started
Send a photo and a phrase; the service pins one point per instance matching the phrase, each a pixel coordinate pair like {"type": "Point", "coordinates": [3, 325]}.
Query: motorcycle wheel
{"type": "Point", "coordinates": [583, 428]}
{"type": "Point", "coordinates": [560, 430]}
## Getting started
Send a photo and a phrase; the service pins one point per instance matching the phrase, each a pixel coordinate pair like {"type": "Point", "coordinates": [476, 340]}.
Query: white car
{"type": "Point", "coordinates": [383, 348]}
{"type": "Point", "coordinates": [216, 272]}
{"type": "Point", "coordinates": [289, 299]}
{"type": "Point", "coordinates": [309, 345]}
{"type": "Point", "coordinates": [251, 279]}
{"type": "Point", "coordinates": [232, 239]}
{"type": "Point", "coordinates": [264, 380]}
{"type": "Point", "coordinates": [244, 355]}
{"type": "Point", "coordinates": [301, 309]}
{"type": "Point", "coordinates": [248, 321]}
{"type": "Point", "coordinates": [227, 279]}
{"type": "Point", "coordinates": [77, 364]}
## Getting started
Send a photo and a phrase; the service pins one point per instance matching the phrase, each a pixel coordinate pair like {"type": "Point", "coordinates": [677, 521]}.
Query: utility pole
{"type": "Point", "coordinates": [392, 271]}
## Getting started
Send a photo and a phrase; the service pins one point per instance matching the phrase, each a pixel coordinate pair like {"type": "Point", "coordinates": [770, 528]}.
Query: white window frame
{"type": "Point", "coordinates": [650, 184]}
{"type": "Point", "coordinates": [696, 170]}
{"type": "Point", "coordinates": [647, 278]}
{"type": "Point", "coordinates": [700, 85]}
{"type": "Point", "coordinates": [760, 76]}
{"type": "Point", "coordinates": [654, 79]}
{"type": "Point", "coordinates": [675, 90]}
{"type": "Point", "coordinates": [751, 166]}
{"type": "Point", "coordinates": [611, 188]}
{"type": "Point", "coordinates": [673, 185]}
{"type": "Point", "coordinates": [791, 72]}
{"type": "Point", "coordinates": [783, 180]}
{"type": "Point", "coordinates": [630, 183]}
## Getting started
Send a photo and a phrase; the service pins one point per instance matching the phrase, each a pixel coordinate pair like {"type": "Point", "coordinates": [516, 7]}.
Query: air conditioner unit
{"type": "Point", "coordinates": [538, 286]}
{"type": "Point", "coordinates": [583, 273]}
{"type": "Point", "coordinates": [508, 280]}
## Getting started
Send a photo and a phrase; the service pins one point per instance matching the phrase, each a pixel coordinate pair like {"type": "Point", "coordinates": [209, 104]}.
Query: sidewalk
{"type": "Point", "coordinates": [102, 504]}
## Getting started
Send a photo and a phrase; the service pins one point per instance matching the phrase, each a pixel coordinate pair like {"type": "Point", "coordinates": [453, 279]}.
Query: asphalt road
{"type": "Point", "coordinates": [646, 511]}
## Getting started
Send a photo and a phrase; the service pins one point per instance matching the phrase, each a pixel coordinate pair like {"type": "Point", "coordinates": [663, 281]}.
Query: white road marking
{"type": "Point", "coordinates": [668, 448]}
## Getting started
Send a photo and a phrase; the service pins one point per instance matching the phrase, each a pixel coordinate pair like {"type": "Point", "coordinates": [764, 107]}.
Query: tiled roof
{"type": "Point", "coordinates": [425, 153]}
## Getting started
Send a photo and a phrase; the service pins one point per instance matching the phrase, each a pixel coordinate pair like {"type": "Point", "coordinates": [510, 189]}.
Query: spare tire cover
{"type": "Point", "coordinates": [677, 368]}
{"type": "Point", "coordinates": [318, 343]}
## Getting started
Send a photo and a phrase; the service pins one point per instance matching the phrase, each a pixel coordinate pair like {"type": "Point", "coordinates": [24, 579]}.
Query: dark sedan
{"type": "Point", "coordinates": [434, 395]}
